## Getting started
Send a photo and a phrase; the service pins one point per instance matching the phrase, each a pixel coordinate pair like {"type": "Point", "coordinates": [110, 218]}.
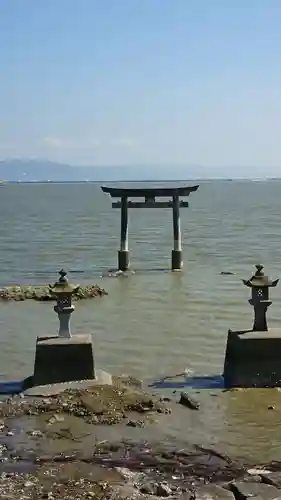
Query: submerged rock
{"type": "Point", "coordinates": [43, 293]}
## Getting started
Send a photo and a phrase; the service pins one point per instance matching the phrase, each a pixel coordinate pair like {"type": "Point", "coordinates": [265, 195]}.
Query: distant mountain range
{"type": "Point", "coordinates": [26, 170]}
{"type": "Point", "coordinates": [31, 170]}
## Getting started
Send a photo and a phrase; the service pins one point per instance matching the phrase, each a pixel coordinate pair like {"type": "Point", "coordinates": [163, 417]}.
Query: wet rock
{"type": "Point", "coordinates": [273, 479]}
{"type": "Point", "coordinates": [127, 380]}
{"type": "Point", "coordinates": [42, 292]}
{"type": "Point", "coordinates": [252, 478]}
{"type": "Point", "coordinates": [97, 405]}
{"type": "Point", "coordinates": [3, 448]}
{"type": "Point", "coordinates": [57, 417]}
{"type": "Point", "coordinates": [244, 490]}
{"type": "Point", "coordinates": [135, 423]}
{"type": "Point", "coordinates": [189, 402]}
{"type": "Point", "coordinates": [126, 474]}
{"type": "Point", "coordinates": [213, 492]}
{"type": "Point", "coordinates": [163, 490]}
{"type": "Point", "coordinates": [149, 488]}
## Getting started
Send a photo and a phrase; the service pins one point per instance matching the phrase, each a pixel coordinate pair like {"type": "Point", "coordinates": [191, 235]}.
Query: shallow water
{"type": "Point", "coordinates": [153, 323]}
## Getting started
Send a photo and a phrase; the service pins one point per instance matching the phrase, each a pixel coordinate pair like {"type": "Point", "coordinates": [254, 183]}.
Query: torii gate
{"type": "Point", "coordinates": [149, 195]}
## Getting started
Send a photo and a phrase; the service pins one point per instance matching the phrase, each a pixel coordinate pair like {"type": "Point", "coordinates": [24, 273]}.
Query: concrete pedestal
{"type": "Point", "coordinates": [177, 262]}
{"type": "Point", "coordinates": [123, 260]}
{"type": "Point", "coordinates": [60, 359]}
{"type": "Point", "coordinates": [253, 359]}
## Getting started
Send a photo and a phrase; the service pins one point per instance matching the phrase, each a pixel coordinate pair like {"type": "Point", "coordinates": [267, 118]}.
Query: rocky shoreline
{"type": "Point", "coordinates": [61, 447]}
{"type": "Point", "coordinates": [42, 292]}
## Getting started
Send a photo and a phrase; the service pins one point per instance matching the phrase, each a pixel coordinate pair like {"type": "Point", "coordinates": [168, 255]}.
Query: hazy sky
{"type": "Point", "coordinates": [142, 81]}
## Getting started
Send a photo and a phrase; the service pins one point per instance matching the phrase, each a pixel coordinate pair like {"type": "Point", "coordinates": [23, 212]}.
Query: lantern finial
{"type": "Point", "coordinates": [63, 278]}
{"type": "Point", "coordinates": [259, 270]}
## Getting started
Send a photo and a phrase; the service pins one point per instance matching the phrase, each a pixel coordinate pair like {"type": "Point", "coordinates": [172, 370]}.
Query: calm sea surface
{"type": "Point", "coordinates": [154, 322]}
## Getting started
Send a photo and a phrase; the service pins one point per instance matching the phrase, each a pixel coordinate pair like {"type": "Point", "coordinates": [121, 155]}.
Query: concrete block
{"type": "Point", "coordinates": [253, 359]}
{"type": "Point", "coordinates": [47, 390]}
{"type": "Point", "coordinates": [59, 359]}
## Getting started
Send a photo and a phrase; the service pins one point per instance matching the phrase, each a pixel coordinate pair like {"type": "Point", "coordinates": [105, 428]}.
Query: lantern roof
{"type": "Point", "coordinates": [62, 286]}
{"type": "Point", "coordinates": [259, 279]}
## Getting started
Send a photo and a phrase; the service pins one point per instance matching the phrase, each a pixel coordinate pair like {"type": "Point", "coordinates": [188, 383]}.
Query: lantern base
{"type": "Point", "coordinates": [253, 359]}
{"type": "Point", "coordinates": [59, 359]}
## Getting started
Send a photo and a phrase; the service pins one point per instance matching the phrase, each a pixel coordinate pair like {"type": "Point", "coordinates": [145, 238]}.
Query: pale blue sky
{"type": "Point", "coordinates": [142, 81]}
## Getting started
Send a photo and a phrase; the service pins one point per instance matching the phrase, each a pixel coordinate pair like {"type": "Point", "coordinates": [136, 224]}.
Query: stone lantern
{"type": "Point", "coordinates": [63, 292]}
{"type": "Point", "coordinates": [260, 284]}
{"type": "Point", "coordinates": [63, 357]}
{"type": "Point", "coordinates": [253, 355]}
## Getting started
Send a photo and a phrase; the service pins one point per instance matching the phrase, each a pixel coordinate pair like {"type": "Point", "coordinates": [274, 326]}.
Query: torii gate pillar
{"type": "Point", "coordinates": [123, 254]}
{"type": "Point", "coordinates": [177, 262]}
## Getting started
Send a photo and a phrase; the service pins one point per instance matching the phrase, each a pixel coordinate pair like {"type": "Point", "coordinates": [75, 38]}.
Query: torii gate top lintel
{"type": "Point", "coordinates": [118, 192]}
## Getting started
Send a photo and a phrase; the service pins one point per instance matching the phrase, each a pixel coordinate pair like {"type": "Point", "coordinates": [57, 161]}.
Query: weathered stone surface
{"type": "Point", "coordinates": [213, 492]}
{"type": "Point", "coordinates": [243, 490]}
{"type": "Point", "coordinates": [42, 292]}
{"type": "Point", "coordinates": [274, 479]}
{"type": "Point", "coordinates": [255, 478]}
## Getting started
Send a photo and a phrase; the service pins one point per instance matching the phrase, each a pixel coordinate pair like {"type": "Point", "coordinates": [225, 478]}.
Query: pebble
{"type": "Point", "coordinates": [135, 423]}
{"type": "Point", "coordinates": [271, 407]}
{"type": "Point", "coordinates": [56, 418]}
{"type": "Point", "coordinates": [127, 474]}
{"type": "Point", "coordinates": [258, 471]}
{"type": "Point", "coordinates": [28, 484]}
{"type": "Point", "coordinates": [37, 433]}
